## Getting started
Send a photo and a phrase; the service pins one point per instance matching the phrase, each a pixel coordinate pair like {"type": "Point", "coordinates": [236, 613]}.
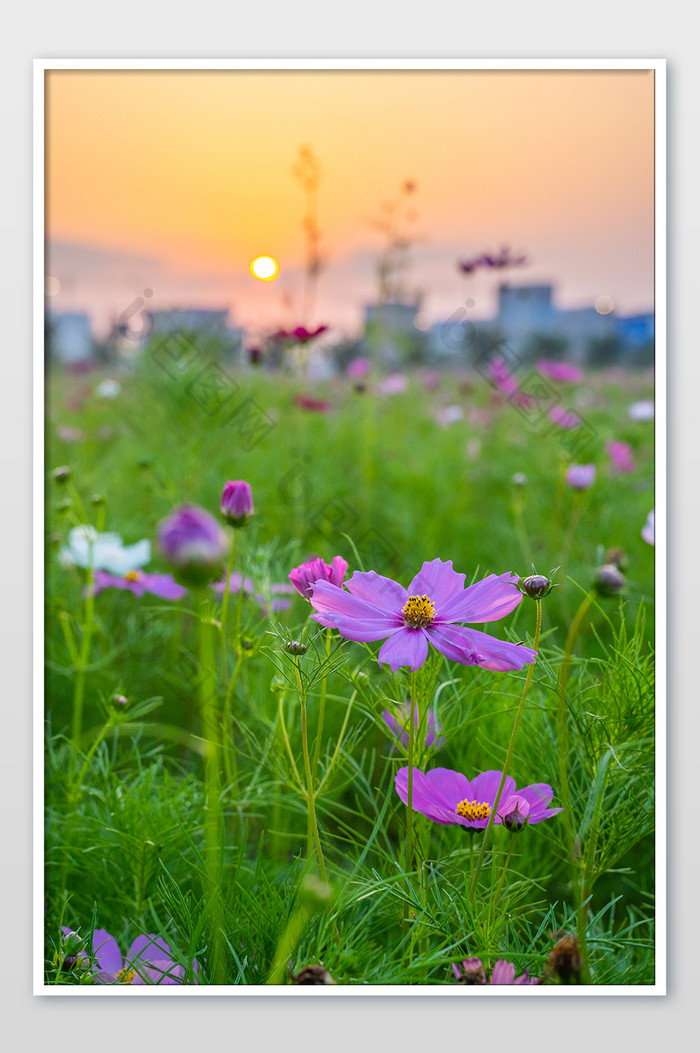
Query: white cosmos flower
{"type": "Point", "coordinates": [103, 551]}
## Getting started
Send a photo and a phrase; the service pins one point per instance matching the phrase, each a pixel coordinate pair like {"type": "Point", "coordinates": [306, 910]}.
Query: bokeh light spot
{"type": "Point", "coordinates": [265, 268]}
{"type": "Point", "coordinates": [52, 286]}
{"type": "Point", "coordinates": [604, 304]}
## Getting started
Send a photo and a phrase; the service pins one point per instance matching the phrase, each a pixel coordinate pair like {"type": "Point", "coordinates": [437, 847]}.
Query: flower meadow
{"type": "Point", "coordinates": [343, 688]}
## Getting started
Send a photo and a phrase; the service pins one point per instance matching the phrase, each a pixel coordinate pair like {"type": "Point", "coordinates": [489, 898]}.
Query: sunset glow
{"type": "Point", "coordinates": [174, 179]}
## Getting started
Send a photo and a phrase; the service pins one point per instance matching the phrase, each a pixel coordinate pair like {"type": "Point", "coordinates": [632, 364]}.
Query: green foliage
{"type": "Point", "coordinates": [378, 481]}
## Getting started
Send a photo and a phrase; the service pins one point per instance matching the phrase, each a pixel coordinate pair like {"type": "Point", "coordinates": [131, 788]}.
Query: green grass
{"type": "Point", "coordinates": [378, 481]}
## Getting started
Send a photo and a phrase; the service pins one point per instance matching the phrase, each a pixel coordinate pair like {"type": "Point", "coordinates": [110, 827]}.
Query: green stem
{"type": "Point", "coordinates": [84, 656]}
{"type": "Point", "coordinates": [564, 786]}
{"type": "Point", "coordinates": [212, 812]}
{"type": "Point", "coordinates": [499, 887]}
{"type": "Point", "coordinates": [230, 765]}
{"type": "Point", "coordinates": [310, 796]}
{"type": "Point", "coordinates": [224, 604]}
{"type": "Point", "coordinates": [409, 800]}
{"type": "Point", "coordinates": [509, 755]}
{"type": "Point", "coordinates": [322, 706]}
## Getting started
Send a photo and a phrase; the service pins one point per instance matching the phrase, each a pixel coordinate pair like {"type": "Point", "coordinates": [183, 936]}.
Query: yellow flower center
{"type": "Point", "coordinates": [418, 611]}
{"type": "Point", "coordinates": [126, 976]}
{"type": "Point", "coordinates": [473, 810]}
{"type": "Point", "coordinates": [132, 575]}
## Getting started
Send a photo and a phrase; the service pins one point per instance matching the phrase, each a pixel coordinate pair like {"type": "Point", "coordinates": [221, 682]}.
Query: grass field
{"type": "Point", "coordinates": [210, 786]}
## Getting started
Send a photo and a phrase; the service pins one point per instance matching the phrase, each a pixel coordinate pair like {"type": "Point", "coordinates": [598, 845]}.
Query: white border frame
{"type": "Point", "coordinates": [658, 66]}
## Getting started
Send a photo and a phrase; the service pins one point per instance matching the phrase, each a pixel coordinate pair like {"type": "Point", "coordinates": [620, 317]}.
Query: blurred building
{"type": "Point", "coordinates": [390, 335]}
{"type": "Point", "coordinates": [530, 324]}
{"type": "Point", "coordinates": [68, 336]}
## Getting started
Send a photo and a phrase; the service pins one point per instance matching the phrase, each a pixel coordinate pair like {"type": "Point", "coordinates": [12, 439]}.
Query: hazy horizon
{"type": "Point", "coordinates": [174, 180]}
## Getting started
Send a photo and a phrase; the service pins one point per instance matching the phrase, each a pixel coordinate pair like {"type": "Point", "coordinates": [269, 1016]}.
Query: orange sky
{"type": "Point", "coordinates": [176, 179]}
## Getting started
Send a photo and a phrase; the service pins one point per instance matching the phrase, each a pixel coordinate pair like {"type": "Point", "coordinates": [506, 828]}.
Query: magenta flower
{"type": "Point", "coordinates": [561, 371]}
{"type": "Point", "coordinates": [237, 502]}
{"type": "Point", "coordinates": [307, 402]}
{"type": "Point", "coordinates": [394, 384]}
{"type": "Point", "coordinates": [503, 972]}
{"type": "Point", "coordinates": [194, 544]}
{"type": "Point", "coordinates": [163, 585]}
{"type": "Point", "coordinates": [376, 608]}
{"type": "Point", "coordinates": [506, 382]}
{"type": "Point", "coordinates": [648, 529]}
{"type": "Point", "coordinates": [398, 725]}
{"type": "Point", "coordinates": [304, 576]}
{"type": "Point", "coordinates": [564, 418]}
{"type": "Point", "coordinates": [450, 798]}
{"type": "Point", "coordinates": [301, 334]}
{"type": "Point", "coordinates": [147, 961]}
{"type": "Point", "coordinates": [580, 476]}
{"type": "Point", "coordinates": [358, 368]}
{"type": "Point", "coordinates": [620, 453]}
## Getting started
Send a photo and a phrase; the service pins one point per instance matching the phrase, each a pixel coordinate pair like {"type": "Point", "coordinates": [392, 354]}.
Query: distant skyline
{"type": "Point", "coordinates": [174, 180]}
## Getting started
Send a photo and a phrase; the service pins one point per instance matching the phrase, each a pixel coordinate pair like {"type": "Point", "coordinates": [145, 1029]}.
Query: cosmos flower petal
{"type": "Point", "coordinates": [438, 580]}
{"type": "Point", "coordinates": [503, 972]}
{"type": "Point", "coordinates": [106, 951]}
{"type": "Point", "coordinates": [406, 647]}
{"type": "Point", "coordinates": [362, 630]}
{"type": "Point", "coordinates": [374, 588]}
{"type": "Point", "coordinates": [538, 796]}
{"type": "Point", "coordinates": [452, 786]}
{"type": "Point", "coordinates": [485, 601]}
{"type": "Point", "coordinates": [330, 601]}
{"type": "Point", "coordinates": [426, 799]}
{"type": "Point", "coordinates": [498, 654]}
{"type": "Point", "coordinates": [455, 642]}
{"type": "Point", "coordinates": [485, 786]}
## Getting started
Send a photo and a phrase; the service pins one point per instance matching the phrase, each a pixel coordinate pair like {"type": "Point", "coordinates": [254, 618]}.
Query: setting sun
{"type": "Point", "coordinates": [265, 268]}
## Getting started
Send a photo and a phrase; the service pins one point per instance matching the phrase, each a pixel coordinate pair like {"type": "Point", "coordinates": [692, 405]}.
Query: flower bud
{"type": "Point", "coordinates": [97, 499]}
{"type": "Point", "coordinates": [617, 557]}
{"type": "Point", "coordinates": [120, 700]}
{"type": "Point", "coordinates": [305, 576]}
{"type": "Point", "coordinates": [237, 503]}
{"type": "Point", "coordinates": [519, 479]}
{"type": "Point", "coordinates": [608, 580]}
{"type": "Point", "coordinates": [247, 644]}
{"type": "Point", "coordinates": [316, 894]}
{"type": "Point", "coordinates": [61, 474]}
{"type": "Point", "coordinates": [194, 545]}
{"type": "Point", "coordinates": [295, 647]}
{"type": "Point", "coordinates": [565, 959]}
{"type": "Point", "coordinates": [313, 974]}
{"type": "Point", "coordinates": [72, 944]}
{"type": "Point", "coordinates": [65, 505]}
{"type": "Point", "coordinates": [536, 586]}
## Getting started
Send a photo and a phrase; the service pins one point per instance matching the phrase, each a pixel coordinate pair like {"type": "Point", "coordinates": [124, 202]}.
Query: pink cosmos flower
{"type": "Point", "coordinates": [307, 402]}
{"type": "Point", "coordinates": [237, 502]}
{"type": "Point", "coordinates": [564, 418]}
{"type": "Point", "coordinates": [580, 476]}
{"type": "Point", "coordinates": [620, 453]}
{"type": "Point", "coordinates": [301, 334]}
{"type": "Point", "coordinates": [394, 384]}
{"type": "Point", "coordinates": [148, 960]}
{"type": "Point", "coordinates": [304, 576]}
{"type": "Point", "coordinates": [377, 608]}
{"type": "Point", "coordinates": [561, 371]}
{"type": "Point", "coordinates": [358, 368]}
{"type": "Point", "coordinates": [136, 581]}
{"type": "Point", "coordinates": [398, 725]}
{"type": "Point", "coordinates": [451, 799]}
{"type": "Point", "coordinates": [503, 972]}
{"type": "Point", "coordinates": [648, 529]}
{"type": "Point", "coordinates": [506, 382]}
